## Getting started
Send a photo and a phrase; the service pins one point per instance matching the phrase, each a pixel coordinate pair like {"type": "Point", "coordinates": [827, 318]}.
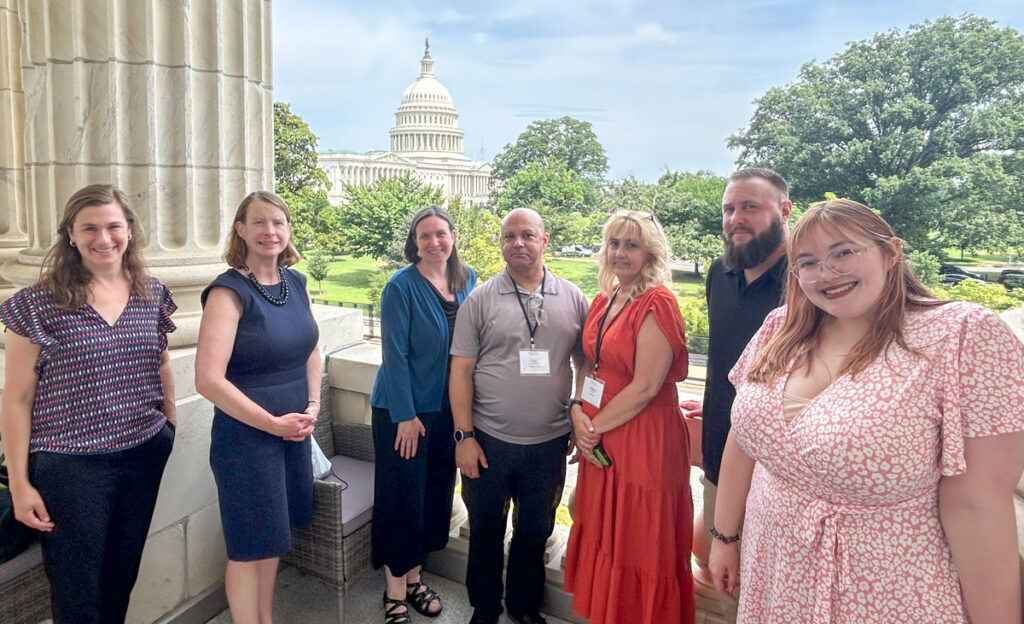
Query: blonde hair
{"type": "Point", "coordinates": [64, 275]}
{"type": "Point", "coordinates": [799, 335]}
{"type": "Point", "coordinates": [646, 230]}
{"type": "Point", "coordinates": [236, 250]}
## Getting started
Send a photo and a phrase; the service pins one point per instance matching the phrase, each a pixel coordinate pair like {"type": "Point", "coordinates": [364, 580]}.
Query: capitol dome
{"type": "Point", "coordinates": [426, 122]}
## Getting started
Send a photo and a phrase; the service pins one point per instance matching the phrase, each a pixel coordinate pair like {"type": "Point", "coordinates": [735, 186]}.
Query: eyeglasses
{"type": "Point", "coordinates": [536, 308]}
{"type": "Point", "coordinates": [636, 214]}
{"type": "Point", "coordinates": [840, 262]}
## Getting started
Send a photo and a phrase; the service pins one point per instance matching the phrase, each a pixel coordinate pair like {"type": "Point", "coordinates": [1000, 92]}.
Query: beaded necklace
{"type": "Point", "coordinates": [278, 301]}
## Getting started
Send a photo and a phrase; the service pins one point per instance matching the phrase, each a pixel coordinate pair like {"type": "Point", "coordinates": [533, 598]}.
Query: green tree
{"type": "Point", "coordinates": [556, 193]}
{"type": "Point", "coordinates": [568, 140]}
{"type": "Point", "coordinates": [297, 178]}
{"type": "Point", "coordinates": [376, 217]}
{"type": "Point", "coordinates": [925, 266]}
{"type": "Point", "coordinates": [317, 266]}
{"type": "Point", "coordinates": [881, 121]}
{"type": "Point", "coordinates": [688, 244]}
{"type": "Point", "coordinates": [477, 238]}
{"type": "Point", "coordinates": [694, 199]}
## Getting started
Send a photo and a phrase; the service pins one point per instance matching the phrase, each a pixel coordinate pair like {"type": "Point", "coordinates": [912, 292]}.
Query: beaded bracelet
{"type": "Point", "coordinates": [725, 540]}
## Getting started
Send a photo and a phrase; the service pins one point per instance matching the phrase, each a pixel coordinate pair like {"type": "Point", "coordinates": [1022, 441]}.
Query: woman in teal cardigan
{"type": "Point", "coordinates": [412, 419]}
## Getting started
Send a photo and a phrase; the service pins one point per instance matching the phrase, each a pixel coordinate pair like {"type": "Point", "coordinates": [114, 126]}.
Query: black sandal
{"type": "Point", "coordinates": [420, 600]}
{"type": "Point", "coordinates": [391, 614]}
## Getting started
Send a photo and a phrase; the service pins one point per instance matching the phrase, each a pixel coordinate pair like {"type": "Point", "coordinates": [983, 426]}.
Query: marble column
{"type": "Point", "coordinates": [13, 218]}
{"type": "Point", "coordinates": [171, 101]}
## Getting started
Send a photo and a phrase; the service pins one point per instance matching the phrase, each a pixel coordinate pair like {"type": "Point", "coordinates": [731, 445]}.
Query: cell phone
{"type": "Point", "coordinates": [602, 455]}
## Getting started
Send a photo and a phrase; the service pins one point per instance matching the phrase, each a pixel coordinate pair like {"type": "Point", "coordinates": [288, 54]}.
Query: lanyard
{"type": "Point", "coordinates": [519, 298]}
{"type": "Point", "coordinates": [601, 328]}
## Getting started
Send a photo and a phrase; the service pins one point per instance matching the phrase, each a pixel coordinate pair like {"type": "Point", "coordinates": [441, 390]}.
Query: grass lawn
{"type": "Point", "coordinates": [978, 259]}
{"type": "Point", "coordinates": [348, 278]}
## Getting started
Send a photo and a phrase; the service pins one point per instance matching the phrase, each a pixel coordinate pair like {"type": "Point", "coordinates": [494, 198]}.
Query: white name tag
{"type": "Point", "coordinates": [593, 390]}
{"type": "Point", "coordinates": [534, 362]}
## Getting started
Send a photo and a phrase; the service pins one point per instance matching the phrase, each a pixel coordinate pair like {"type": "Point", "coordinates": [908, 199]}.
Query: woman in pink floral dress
{"type": "Point", "coordinates": [877, 436]}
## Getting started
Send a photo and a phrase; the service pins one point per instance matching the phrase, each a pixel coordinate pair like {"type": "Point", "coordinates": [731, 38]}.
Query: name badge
{"type": "Point", "coordinates": [593, 390]}
{"type": "Point", "coordinates": [534, 362]}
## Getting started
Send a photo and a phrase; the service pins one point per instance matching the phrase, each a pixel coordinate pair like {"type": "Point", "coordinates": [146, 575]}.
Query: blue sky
{"type": "Point", "coordinates": [664, 83]}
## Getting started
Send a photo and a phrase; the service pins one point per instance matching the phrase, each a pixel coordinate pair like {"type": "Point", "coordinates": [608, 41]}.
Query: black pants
{"type": "Point", "coordinates": [101, 506]}
{"type": "Point", "coordinates": [531, 476]}
{"type": "Point", "coordinates": [412, 504]}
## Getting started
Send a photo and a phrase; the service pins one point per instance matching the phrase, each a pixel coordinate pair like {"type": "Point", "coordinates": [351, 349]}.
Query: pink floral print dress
{"type": "Point", "coordinates": [842, 520]}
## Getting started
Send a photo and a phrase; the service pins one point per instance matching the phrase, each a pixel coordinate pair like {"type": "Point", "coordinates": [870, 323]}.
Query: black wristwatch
{"type": "Point", "coordinates": [575, 402]}
{"type": "Point", "coordinates": [461, 435]}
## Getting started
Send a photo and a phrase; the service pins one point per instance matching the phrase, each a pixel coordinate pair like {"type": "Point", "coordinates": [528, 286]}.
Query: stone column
{"type": "Point", "coordinates": [171, 101]}
{"type": "Point", "coordinates": [13, 237]}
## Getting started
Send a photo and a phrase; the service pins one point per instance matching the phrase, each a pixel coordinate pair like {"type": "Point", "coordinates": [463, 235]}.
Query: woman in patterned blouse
{"type": "Point", "coordinates": [88, 405]}
{"type": "Point", "coordinates": [877, 436]}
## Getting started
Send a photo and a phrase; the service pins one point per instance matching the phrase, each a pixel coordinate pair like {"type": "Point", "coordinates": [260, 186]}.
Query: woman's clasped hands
{"type": "Point", "coordinates": [586, 437]}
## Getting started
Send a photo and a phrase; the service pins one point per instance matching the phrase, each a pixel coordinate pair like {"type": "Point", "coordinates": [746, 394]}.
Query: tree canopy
{"type": "Point", "coordinates": [376, 217]}
{"type": "Point", "coordinates": [568, 140]}
{"type": "Point", "coordinates": [891, 120]}
{"type": "Point", "coordinates": [297, 178]}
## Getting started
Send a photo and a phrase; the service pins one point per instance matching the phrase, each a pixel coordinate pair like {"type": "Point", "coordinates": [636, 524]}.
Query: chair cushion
{"type": "Point", "coordinates": [32, 557]}
{"type": "Point", "coordinates": [357, 497]}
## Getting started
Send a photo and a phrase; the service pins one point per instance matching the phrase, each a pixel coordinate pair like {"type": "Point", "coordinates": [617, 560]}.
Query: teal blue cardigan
{"type": "Point", "coordinates": [413, 375]}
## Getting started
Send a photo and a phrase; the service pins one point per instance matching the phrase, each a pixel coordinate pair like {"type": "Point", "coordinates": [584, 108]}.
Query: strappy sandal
{"type": "Point", "coordinates": [391, 613]}
{"type": "Point", "coordinates": [421, 599]}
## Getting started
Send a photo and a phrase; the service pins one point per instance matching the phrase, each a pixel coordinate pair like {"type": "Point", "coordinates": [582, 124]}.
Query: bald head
{"type": "Point", "coordinates": [524, 215]}
{"type": "Point", "coordinates": [523, 241]}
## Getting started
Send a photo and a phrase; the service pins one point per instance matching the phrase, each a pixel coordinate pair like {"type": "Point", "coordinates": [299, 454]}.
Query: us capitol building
{"type": "Point", "coordinates": [426, 143]}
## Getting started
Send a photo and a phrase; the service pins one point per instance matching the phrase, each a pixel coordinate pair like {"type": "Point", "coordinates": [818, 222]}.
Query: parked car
{"type": "Point", "coordinates": [1007, 272]}
{"type": "Point", "coordinates": [952, 269]}
{"type": "Point", "coordinates": [1013, 280]}
{"type": "Point", "coordinates": [575, 250]}
{"type": "Point", "coordinates": [956, 278]}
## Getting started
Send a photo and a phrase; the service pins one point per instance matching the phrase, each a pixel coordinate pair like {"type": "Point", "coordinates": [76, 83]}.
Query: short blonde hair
{"type": "Point", "coordinates": [645, 229]}
{"type": "Point", "coordinates": [236, 250]}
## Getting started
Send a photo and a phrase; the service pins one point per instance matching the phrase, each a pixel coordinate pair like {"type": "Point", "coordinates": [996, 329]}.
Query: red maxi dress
{"type": "Point", "coordinates": [628, 559]}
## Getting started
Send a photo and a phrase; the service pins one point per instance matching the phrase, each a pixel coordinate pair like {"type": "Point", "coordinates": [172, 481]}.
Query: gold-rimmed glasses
{"type": "Point", "coordinates": [841, 262]}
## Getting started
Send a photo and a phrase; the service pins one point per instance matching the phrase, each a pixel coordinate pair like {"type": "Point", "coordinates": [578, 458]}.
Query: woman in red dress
{"type": "Point", "coordinates": [629, 550]}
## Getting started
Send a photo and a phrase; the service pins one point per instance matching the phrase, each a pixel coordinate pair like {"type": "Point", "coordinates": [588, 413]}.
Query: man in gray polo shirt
{"type": "Point", "coordinates": [510, 388]}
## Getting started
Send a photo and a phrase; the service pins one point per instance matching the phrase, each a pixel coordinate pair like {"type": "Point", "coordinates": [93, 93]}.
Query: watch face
{"type": "Point", "coordinates": [459, 436]}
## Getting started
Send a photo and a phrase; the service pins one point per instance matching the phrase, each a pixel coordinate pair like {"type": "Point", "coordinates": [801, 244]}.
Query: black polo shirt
{"type": "Point", "coordinates": [736, 311]}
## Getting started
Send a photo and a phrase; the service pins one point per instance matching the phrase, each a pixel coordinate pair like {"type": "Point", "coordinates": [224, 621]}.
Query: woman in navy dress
{"type": "Point", "coordinates": [257, 361]}
{"type": "Point", "coordinates": [412, 419]}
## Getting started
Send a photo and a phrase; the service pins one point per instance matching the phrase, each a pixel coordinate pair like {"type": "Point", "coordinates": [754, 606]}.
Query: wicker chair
{"type": "Point", "coordinates": [335, 547]}
{"type": "Point", "coordinates": [24, 590]}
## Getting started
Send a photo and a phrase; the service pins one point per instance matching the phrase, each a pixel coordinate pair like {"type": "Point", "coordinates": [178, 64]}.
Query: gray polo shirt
{"type": "Point", "coordinates": [520, 409]}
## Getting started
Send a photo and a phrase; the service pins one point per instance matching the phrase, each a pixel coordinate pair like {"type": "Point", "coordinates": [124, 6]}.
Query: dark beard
{"type": "Point", "coordinates": [756, 250]}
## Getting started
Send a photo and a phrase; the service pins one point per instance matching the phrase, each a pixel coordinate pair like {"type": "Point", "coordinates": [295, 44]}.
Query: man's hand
{"type": "Point", "coordinates": [469, 457]}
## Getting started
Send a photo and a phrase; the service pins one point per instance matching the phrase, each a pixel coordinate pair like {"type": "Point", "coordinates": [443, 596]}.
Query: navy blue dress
{"type": "Point", "coordinates": [265, 484]}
